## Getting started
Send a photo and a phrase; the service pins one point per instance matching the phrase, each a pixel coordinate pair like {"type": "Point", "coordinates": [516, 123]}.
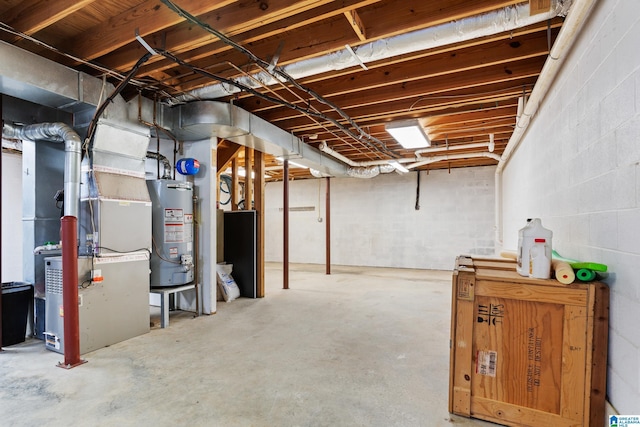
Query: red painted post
{"type": "Point", "coordinates": [328, 226]}
{"type": "Point", "coordinates": [285, 226]}
{"type": "Point", "coordinates": [69, 235]}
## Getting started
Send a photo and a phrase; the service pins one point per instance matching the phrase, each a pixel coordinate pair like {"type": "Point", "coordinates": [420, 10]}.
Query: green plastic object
{"type": "Point", "coordinates": [585, 275]}
{"type": "Point", "coordinates": [577, 265]}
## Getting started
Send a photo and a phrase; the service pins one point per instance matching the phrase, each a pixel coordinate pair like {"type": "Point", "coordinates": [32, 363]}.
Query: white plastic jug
{"type": "Point", "coordinates": [540, 259]}
{"type": "Point", "coordinates": [526, 239]}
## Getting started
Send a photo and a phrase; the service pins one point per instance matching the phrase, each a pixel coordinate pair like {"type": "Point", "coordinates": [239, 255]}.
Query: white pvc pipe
{"type": "Point", "coordinates": [419, 153]}
{"type": "Point", "coordinates": [498, 21]}
{"type": "Point", "coordinates": [445, 157]}
{"type": "Point", "coordinates": [325, 149]}
{"type": "Point", "coordinates": [576, 17]}
{"type": "Point", "coordinates": [354, 166]}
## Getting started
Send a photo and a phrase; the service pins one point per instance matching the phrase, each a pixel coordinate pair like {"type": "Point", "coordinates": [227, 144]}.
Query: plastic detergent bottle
{"type": "Point", "coordinates": [540, 259]}
{"type": "Point", "coordinates": [526, 237]}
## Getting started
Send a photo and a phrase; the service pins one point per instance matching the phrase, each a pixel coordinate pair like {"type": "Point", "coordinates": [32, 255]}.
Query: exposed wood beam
{"type": "Point", "coordinates": [484, 95]}
{"type": "Point", "coordinates": [416, 14]}
{"type": "Point", "coordinates": [474, 58]}
{"type": "Point", "coordinates": [391, 111]}
{"type": "Point", "coordinates": [260, 210]}
{"type": "Point", "coordinates": [246, 25]}
{"type": "Point", "coordinates": [248, 179]}
{"type": "Point", "coordinates": [31, 17]}
{"type": "Point", "coordinates": [306, 42]}
{"type": "Point", "coordinates": [148, 17]}
{"type": "Point", "coordinates": [227, 151]}
{"type": "Point", "coordinates": [466, 117]}
{"type": "Point", "coordinates": [486, 113]}
{"type": "Point", "coordinates": [235, 184]}
{"type": "Point", "coordinates": [462, 133]}
{"type": "Point", "coordinates": [415, 92]}
{"type": "Point", "coordinates": [528, 32]}
{"type": "Point", "coordinates": [356, 23]}
{"type": "Point", "coordinates": [406, 16]}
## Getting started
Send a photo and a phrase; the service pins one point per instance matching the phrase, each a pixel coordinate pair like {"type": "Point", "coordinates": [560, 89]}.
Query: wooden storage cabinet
{"type": "Point", "coordinates": [526, 352]}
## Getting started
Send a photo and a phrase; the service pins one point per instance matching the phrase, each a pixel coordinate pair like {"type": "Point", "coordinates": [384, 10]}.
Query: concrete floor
{"type": "Point", "coordinates": [362, 347]}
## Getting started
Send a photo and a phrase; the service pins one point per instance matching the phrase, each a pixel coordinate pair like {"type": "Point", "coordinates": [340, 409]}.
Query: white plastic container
{"type": "Point", "coordinates": [540, 259]}
{"type": "Point", "coordinates": [526, 239]}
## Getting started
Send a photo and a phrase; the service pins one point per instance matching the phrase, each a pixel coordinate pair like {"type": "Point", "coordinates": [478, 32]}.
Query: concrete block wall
{"type": "Point", "coordinates": [374, 221]}
{"type": "Point", "coordinates": [578, 170]}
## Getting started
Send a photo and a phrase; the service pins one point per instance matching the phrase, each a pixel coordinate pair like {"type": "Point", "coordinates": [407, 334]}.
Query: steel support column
{"type": "Point", "coordinates": [285, 227]}
{"type": "Point", "coordinates": [328, 226]}
{"type": "Point", "coordinates": [69, 235]}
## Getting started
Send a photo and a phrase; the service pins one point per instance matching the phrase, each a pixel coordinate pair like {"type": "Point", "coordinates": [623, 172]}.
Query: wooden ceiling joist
{"type": "Point", "coordinates": [356, 23]}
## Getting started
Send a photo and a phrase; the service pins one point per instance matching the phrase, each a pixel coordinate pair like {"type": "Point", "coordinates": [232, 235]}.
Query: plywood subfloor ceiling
{"type": "Point", "coordinates": [461, 91]}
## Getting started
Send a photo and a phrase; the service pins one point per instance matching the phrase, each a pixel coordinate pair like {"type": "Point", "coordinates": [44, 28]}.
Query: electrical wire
{"type": "Point", "coordinates": [103, 106]}
{"type": "Point", "coordinates": [124, 252]}
{"type": "Point", "coordinates": [269, 98]}
{"type": "Point", "coordinates": [279, 73]}
{"type": "Point", "coordinates": [155, 246]}
{"type": "Point", "coordinates": [106, 71]}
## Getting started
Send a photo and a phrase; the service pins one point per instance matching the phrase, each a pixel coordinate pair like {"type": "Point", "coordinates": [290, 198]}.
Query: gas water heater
{"type": "Point", "coordinates": [172, 223]}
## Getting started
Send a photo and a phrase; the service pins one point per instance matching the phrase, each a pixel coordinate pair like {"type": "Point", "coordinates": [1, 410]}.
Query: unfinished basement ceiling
{"type": "Point", "coordinates": [462, 90]}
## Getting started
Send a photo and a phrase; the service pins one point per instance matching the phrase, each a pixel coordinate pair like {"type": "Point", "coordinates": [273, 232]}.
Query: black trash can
{"type": "Point", "coordinates": [17, 299]}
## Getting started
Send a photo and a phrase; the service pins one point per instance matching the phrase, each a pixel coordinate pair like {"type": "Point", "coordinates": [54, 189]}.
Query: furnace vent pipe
{"type": "Point", "coordinates": [498, 21]}
{"type": "Point", "coordinates": [167, 165]}
{"type": "Point", "coordinates": [57, 132]}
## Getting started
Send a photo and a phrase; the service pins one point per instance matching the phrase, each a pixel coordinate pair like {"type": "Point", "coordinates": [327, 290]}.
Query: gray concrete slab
{"type": "Point", "coordinates": [361, 347]}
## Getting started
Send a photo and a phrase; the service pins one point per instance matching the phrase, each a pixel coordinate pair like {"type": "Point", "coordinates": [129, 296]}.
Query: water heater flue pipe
{"type": "Point", "coordinates": [165, 162]}
{"type": "Point", "coordinates": [57, 132]}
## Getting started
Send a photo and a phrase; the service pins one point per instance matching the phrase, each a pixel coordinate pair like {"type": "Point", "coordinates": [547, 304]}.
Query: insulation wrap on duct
{"type": "Point", "coordinates": [369, 171]}
{"type": "Point", "coordinates": [364, 172]}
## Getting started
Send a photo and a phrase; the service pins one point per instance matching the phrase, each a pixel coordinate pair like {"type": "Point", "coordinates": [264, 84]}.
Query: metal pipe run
{"type": "Point", "coordinates": [69, 234]}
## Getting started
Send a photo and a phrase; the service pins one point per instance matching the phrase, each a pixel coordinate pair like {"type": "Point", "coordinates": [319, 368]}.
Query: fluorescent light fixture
{"type": "Point", "coordinates": [398, 166]}
{"type": "Point", "coordinates": [408, 133]}
{"type": "Point", "coordinates": [298, 165]}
